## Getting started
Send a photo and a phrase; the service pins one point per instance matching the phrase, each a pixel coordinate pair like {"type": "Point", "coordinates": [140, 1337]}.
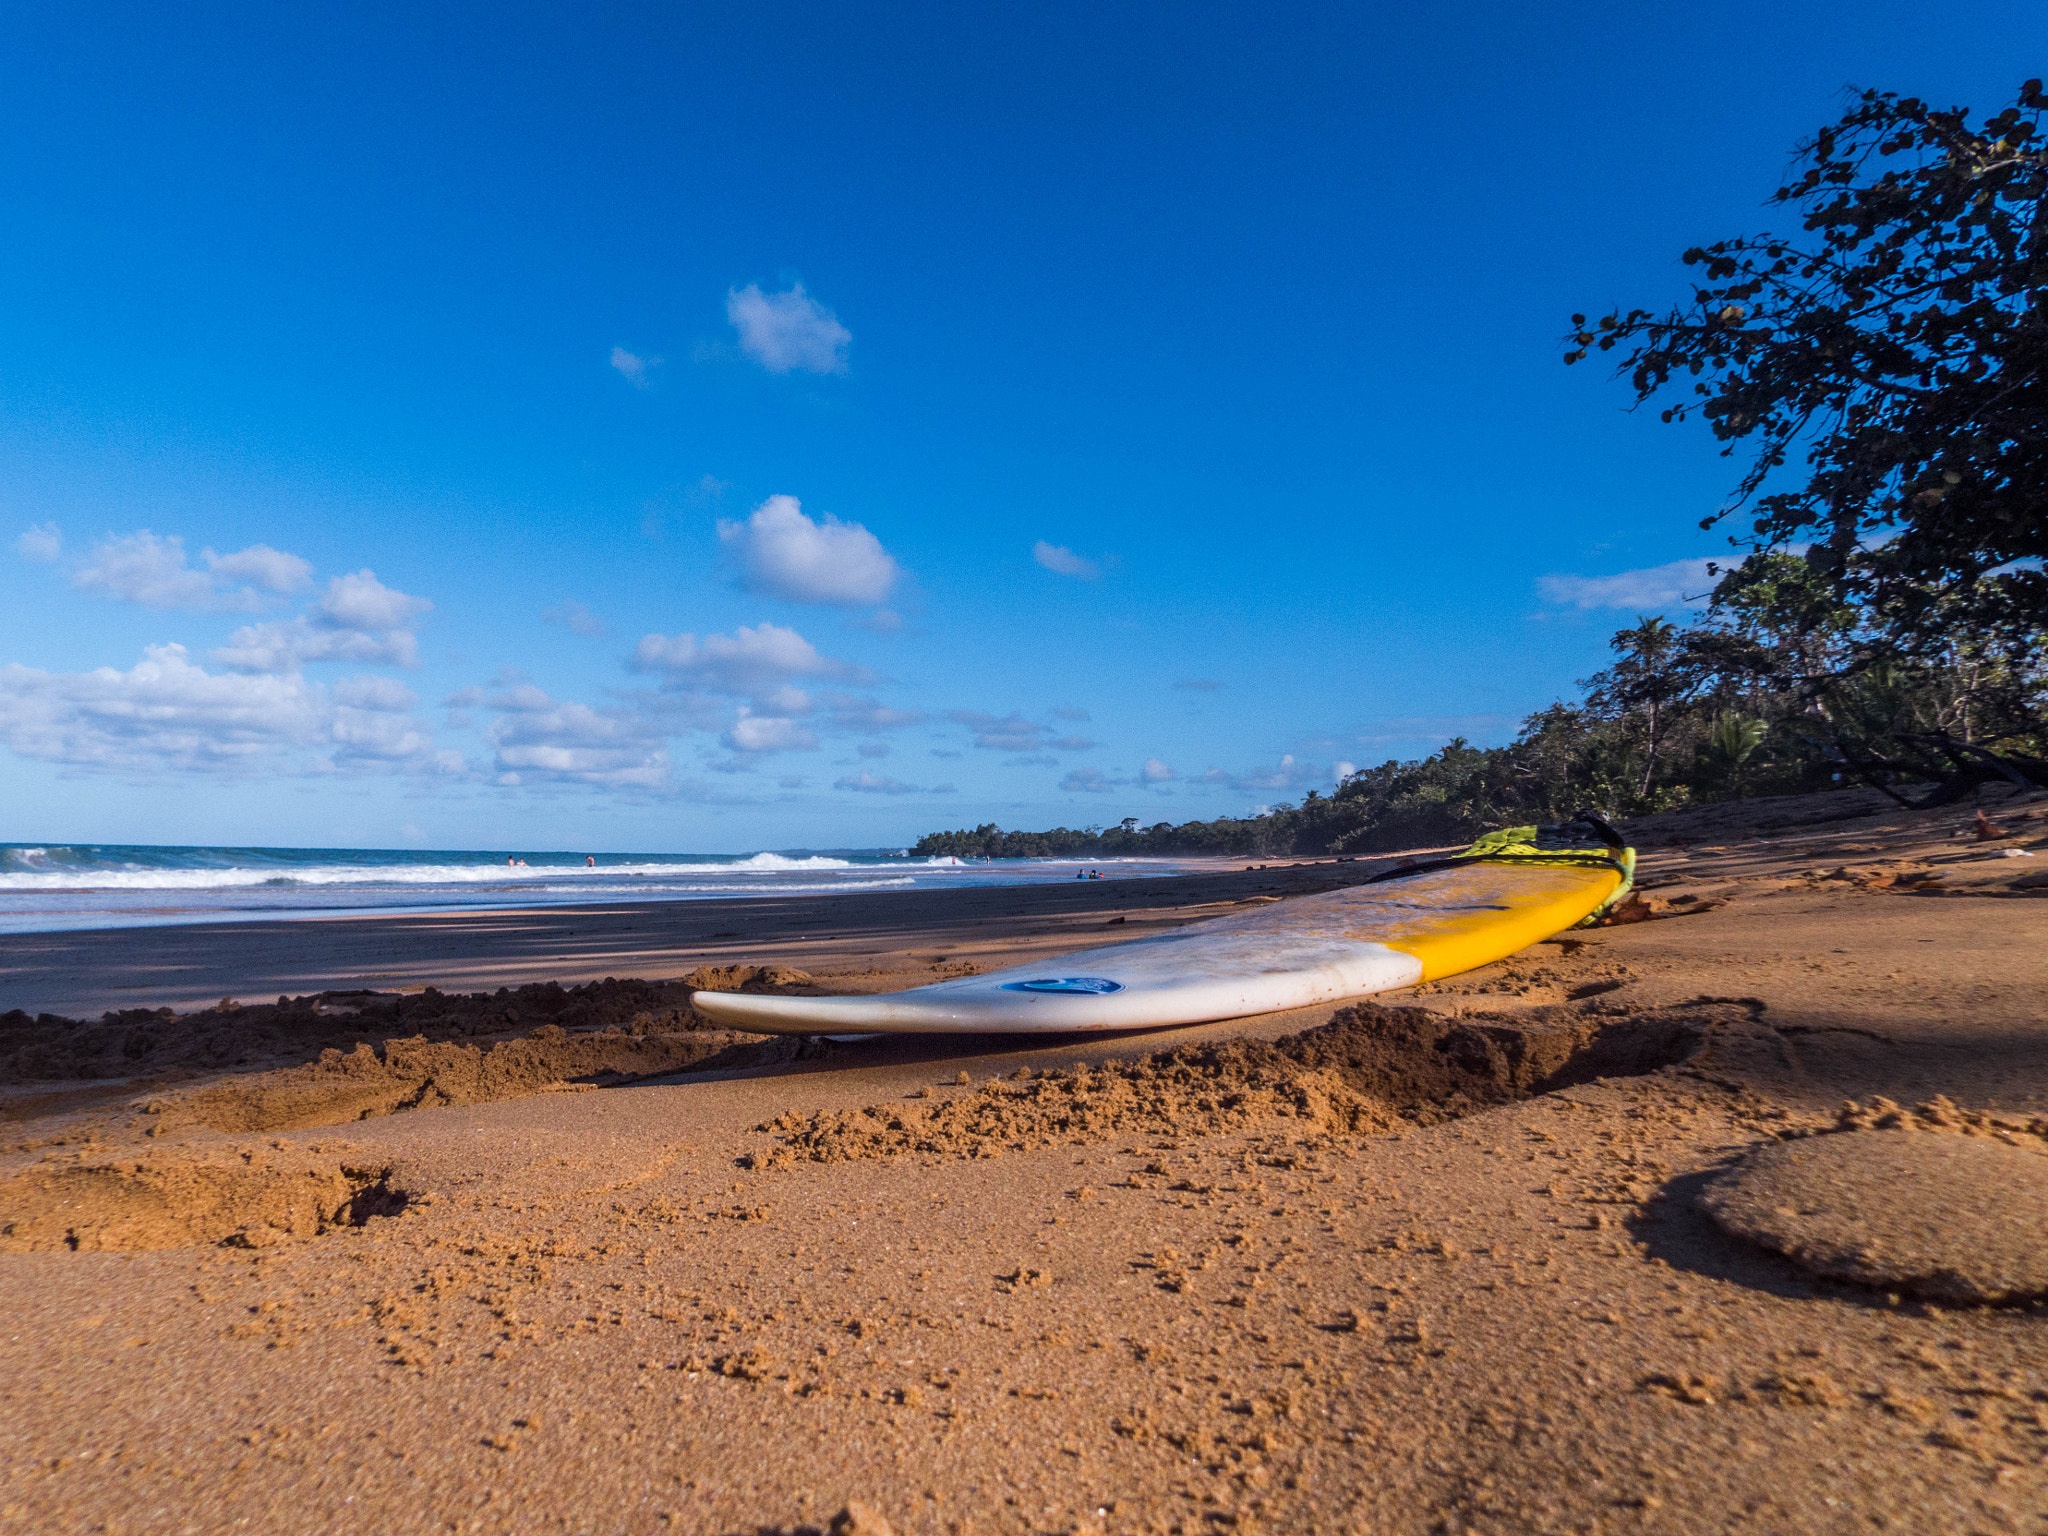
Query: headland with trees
{"type": "Point", "coordinates": [1885, 620]}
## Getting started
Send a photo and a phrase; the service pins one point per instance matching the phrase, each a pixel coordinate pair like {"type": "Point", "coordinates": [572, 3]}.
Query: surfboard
{"type": "Point", "coordinates": [1291, 954]}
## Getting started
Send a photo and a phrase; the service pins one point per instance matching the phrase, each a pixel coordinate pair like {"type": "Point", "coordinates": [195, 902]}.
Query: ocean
{"type": "Point", "coordinates": [50, 886]}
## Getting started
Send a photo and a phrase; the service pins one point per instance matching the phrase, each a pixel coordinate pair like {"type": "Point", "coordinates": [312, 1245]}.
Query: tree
{"type": "Point", "coordinates": [1731, 742]}
{"type": "Point", "coordinates": [1900, 344]}
{"type": "Point", "coordinates": [1648, 677]}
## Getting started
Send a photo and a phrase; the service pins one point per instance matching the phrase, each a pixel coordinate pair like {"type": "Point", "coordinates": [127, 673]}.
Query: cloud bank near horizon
{"type": "Point", "coordinates": [710, 703]}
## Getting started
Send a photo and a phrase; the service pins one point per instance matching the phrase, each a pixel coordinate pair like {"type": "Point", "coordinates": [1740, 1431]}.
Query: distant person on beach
{"type": "Point", "coordinates": [590, 861]}
{"type": "Point", "coordinates": [510, 861]}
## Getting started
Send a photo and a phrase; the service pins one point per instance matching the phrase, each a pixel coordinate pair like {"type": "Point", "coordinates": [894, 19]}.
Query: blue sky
{"type": "Point", "coordinates": [723, 427]}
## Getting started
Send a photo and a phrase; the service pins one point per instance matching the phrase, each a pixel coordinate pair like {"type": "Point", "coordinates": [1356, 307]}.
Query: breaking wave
{"type": "Point", "coordinates": [50, 885]}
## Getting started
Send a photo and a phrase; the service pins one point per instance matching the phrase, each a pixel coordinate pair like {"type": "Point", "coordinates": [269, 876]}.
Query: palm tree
{"type": "Point", "coordinates": [1732, 741]}
{"type": "Point", "coordinates": [1646, 678]}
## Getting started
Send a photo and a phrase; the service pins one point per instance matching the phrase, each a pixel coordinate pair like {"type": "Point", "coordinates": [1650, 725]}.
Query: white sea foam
{"type": "Point", "coordinates": [57, 886]}
{"type": "Point", "coordinates": [138, 878]}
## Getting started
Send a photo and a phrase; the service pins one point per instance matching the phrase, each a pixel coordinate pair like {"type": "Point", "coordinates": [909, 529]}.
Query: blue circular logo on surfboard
{"type": "Point", "coordinates": [1087, 986]}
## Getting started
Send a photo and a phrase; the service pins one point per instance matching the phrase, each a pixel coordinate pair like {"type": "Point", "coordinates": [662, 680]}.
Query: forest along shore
{"type": "Point", "coordinates": [1450, 1258]}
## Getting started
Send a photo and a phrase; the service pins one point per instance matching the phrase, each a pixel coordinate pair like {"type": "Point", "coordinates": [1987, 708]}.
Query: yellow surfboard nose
{"type": "Point", "coordinates": [1496, 917]}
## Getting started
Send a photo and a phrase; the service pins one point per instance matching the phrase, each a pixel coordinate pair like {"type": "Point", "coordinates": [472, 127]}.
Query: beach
{"type": "Point", "coordinates": [395, 1256]}
{"type": "Point", "coordinates": [193, 965]}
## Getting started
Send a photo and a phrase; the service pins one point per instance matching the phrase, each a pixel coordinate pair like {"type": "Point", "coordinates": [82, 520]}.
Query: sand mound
{"type": "Point", "coordinates": [1953, 1217]}
{"type": "Point", "coordinates": [472, 1049]}
{"type": "Point", "coordinates": [249, 1198]}
{"type": "Point", "coordinates": [421, 1074]}
{"type": "Point", "coordinates": [146, 1041]}
{"type": "Point", "coordinates": [1366, 1068]}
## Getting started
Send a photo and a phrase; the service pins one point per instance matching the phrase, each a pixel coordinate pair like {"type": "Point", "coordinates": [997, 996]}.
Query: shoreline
{"type": "Point", "coordinates": [79, 973]}
{"type": "Point", "coordinates": [64, 912]}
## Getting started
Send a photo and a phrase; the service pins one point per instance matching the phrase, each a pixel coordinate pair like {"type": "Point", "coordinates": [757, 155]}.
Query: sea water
{"type": "Point", "coordinates": [51, 886]}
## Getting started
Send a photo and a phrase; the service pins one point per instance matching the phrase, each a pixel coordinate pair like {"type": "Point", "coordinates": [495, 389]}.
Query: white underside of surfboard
{"type": "Point", "coordinates": [1168, 978]}
{"type": "Point", "coordinates": [1293, 954]}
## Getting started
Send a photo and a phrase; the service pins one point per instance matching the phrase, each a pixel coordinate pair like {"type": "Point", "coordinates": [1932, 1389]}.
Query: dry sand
{"type": "Point", "coordinates": [563, 1258]}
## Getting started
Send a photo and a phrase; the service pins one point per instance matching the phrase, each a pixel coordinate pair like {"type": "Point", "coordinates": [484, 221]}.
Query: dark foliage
{"type": "Point", "coordinates": [1899, 344]}
{"type": "Point", "coordinates": [1773, 691]}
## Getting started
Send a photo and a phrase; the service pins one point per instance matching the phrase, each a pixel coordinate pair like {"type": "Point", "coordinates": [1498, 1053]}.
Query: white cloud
{"type": "Point", "coordinates": [1156, 772]}
{"type": "Point", "coordinates": [1342, 770]}
{"type": "Point", "coordinates": [143, 568]}
{"type": "Point", "coordinates": [150, 569]}
{"type": "Point", "coordinates": [41, 542]}
{"type": "Point", "coordinates": [539, 740]}
{"type": "Point", "coordinates": [873, 749]}
{"type": "Point", "coordinates": [162, 712]}
{"type": "Point", "coordinates": [165, 712]}
{"type": "Point", "coordinates": [1681, 584]}
{"type": "Point", "coordinates": [1287, 774]}
{"type": "Point", "coordinates": [1064, 562]}
{"type": "Point", "coordinates": [679, 713]}
{"type": "Point", "coordinates": [786, 332]}
{"type": "Point", "coordinates": [1013, 733]}
{"type": "Point", "coordinates": [783, 553]}
{"type": "Point", "coordinates": [373, 735]}
{"type": "Point", "coordinates": [749, 661]}
{"type": "Point", "coordinates": [260, 566]}
{"type": "Point", "coordinates": [868, 783]}
{"type": "Point", "coordinates": [515, 691]}
{"type": "Point", "coordinates": [357, 619]}
{"type": "Point", "coordinates": [363, 602]}
{"type": "Point", "coordinates": [378, 693]}
{"type": "Point", "coordinates": [574, 617]}
{"type": "Point", "coordinates": [1087, 781]}
{"type": "Point", "coordinates": [634, 369]}
{"type": "Point", "coordinates": [768, 733]}
{"type": "Point", "coordinates": [854, 712]}
{"type": "Point", "coordinates": [786, 700]}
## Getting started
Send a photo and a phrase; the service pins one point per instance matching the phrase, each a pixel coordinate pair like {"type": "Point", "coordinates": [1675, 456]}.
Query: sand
{"type": "Point", "coordinates": [563, 1258]}
{"type": "Point", "coordinates": [1956, 1217]}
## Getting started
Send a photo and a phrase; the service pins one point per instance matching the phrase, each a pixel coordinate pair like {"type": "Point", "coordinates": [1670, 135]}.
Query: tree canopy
{"type": "Point", "coordinates": [1771, 691]}
{"type": "Point", "coordinates": [1897, 344]}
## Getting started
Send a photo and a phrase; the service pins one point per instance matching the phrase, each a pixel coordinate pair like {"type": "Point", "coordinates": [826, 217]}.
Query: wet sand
{"type": "Point", "coordinates": [189, 966]}
{"type": "Point", "coordinates": [1443, 1265]}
